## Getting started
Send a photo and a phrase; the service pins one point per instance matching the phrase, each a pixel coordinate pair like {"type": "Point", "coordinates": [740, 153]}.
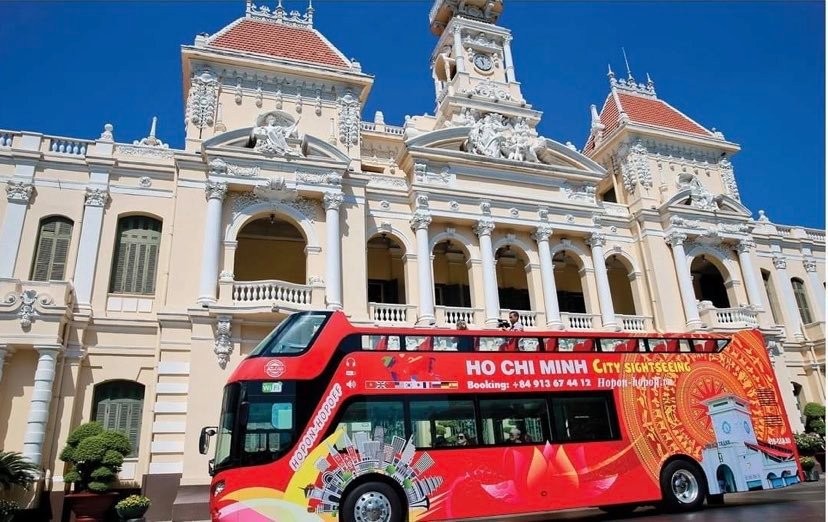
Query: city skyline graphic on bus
{"type": "Point", "coordinates": [367, 454]}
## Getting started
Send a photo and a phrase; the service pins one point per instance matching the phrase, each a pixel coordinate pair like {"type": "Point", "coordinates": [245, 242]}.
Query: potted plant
{"type": "Point", "coordinates": [95, 456]}
{"type": "Point", "coordinates": [815, 423]}
{"type": "Point", "coordinates": [809, 443]}
{"type": "Point", "coordinates": [8, 508]}
{"type": "Point", "coordinates": [132, 508]}
{"type": "Point", "coordinates": [16, 470]}
{"type": "Point", "coordinates": [808, 464]}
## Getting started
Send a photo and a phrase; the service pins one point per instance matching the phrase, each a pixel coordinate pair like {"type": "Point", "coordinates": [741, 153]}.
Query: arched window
{"type": "Point", "coordinates": [136, 255]}
{"type": "Point", "coordinates": [53, 240]}
{"type": "Point", "coordinates": [118, 405]}
{"type": "Point", "coordinates": [801, 300]}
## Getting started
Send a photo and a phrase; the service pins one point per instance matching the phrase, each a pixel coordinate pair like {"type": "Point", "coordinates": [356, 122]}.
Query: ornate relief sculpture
{"type": "Point", "coordinates": [496, 137]}
{"type": "Point", "coordinates": [201, 103]}
{"type": "Point", "coordinates": [700, 197]}
{"type": "Point", "coordinates": [272, 131]}
{"type": "Point", "coordinates": [349, 119]}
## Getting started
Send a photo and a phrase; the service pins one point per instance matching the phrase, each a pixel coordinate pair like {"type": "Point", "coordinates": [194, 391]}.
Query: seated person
{"type": "Point", "coordinates": [462, 440]}
{"type": "Point", "coordinates": [515, 436]}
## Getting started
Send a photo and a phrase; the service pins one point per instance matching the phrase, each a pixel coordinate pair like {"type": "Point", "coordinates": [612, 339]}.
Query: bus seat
{"type": "Point", "coordinates": [664, 345]}
{"type": "Point", "coordinates": [382, 344]}
{"type": "Point", "coordinates": [509, 345]}
{"type": "Point", "coordinates": [584, 345]}
{"type": "Point", "coordinates": [550, 344]}
{"type": "Point", "coordinates": [704, 346]}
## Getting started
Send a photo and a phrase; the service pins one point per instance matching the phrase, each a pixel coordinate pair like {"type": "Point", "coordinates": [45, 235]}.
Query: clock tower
{"type": "Point", "coordinates": [472, 65]}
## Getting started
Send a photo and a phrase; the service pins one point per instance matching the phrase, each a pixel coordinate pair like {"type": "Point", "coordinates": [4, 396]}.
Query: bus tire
{"type": "Point", "coordinates": [619, 510]}
{"type": "Point", "coordinates": [372, 502]}
{"type": "Point", "coordinates": [715, 500]}
{"type": "Point", "coordinates": [683, 487]}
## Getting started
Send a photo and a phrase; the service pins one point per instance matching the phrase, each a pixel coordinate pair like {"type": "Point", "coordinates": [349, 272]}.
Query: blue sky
{"type": "Point", "coordinates": [754, 70]}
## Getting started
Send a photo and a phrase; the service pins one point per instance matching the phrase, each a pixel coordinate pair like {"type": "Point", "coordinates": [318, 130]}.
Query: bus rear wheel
{"type": "Point", "coordinates": [372, 502]}
{"type": "Point", "coordinates": [683, 487]}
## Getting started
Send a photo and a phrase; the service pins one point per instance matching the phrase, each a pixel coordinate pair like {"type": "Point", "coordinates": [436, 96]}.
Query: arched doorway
{"type": "Point", "coordinates": [618, 273]}
{"type": "Point", "coordinates": [512, 284]}
{"type": "Point", "coordinates": [727, 482]}
{"type": "Point", "coordinates": [451, 275]}
{"type": "Point", "coordinates": [709, 282]}
{"type": "Point", "coordinates": [270, 248]}
{"type": "Point", "coordinates": [569, 283]}
{"type": "Point", "coordinates": [386, 279]}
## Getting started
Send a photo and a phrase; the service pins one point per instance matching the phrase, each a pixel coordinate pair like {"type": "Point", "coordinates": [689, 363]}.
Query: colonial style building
{"type": "Point", "coordinates": [135, 276]}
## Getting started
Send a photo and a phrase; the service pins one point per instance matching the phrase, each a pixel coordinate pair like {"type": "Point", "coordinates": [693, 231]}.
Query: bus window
{"type": "Point", "coordinates": [439, 423]}
{"type": "Point", "coordinates": [583, 418]}
{"type": "Point", "coordinates": [376, 418]}
{"type": "Point", "coordinates": [380, 342]}
{"type": "Point", "coordinates": [446, 344]}
{"type": "Point", "coordinates": [511, 421]}
{"type": "Point", "coordinates": [664, 345]}
{"type": "Point", "coordinates": [491, 344]}
{"type": "Point", "coordinates": [529, 344]}
{"type": "Point", "coordinates": [575, 345]}
{"type": "Point", "coordinates": [418, 343]}
{"type": "Point", "coordinates": [293, 336]}
{"type": "Point", "coordinates": [704, 345]}
{"type": "Point", "coordinates": [622, 345]}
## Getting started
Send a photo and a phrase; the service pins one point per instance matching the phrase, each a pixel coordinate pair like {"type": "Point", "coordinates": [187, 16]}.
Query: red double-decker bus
{"type": "Point", "coordinates": [328, 421]}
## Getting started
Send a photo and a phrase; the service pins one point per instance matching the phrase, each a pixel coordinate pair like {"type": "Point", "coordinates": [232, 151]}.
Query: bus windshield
{"type": "Point", "coordinates": [293, 336]}
{"type": "Point", "coordinates": [257, 423]}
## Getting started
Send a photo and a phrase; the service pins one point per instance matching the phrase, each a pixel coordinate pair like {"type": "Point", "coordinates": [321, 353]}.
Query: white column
{"type": "Point", "coordinates": [18, 194]}
{"type": "Point", "coordinates": [90, 240]}
{"type": "Point", "coordinates": [215, 192]}
{"type": "Point", "coordinates": [425, 287]}
{"type": "Point", "coordinates": [550, 293]}
{"type": "Point", "coordinates": [817, 290]}
{"type": "Point", "coordinates": [596, 241]}
{"type": "Point", "coordinates": [458, 51]}
{"type": "Point", "coordinates": [333, 261]}
{"type": "Point", "coordinates": [507, 58]}
{"type": "Point", "coordinates": [484, 229]}
{"type": "Point", "coordinates": [754, 294]}
{"type": "Point", "coordinates": [41, 397]}
{"type": "Point", "coordinates": [781, 265]}
{"type": "Point", "coordinates": [688, 296]}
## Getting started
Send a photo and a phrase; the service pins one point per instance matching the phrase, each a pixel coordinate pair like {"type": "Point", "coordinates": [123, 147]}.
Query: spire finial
{"type": "Point", "coordinates": [610, 74]}
{"type": "Point", "coordinates": [309, 12]}
{"type": "Point", "coordinates": [627, 63]}
{"type": "Point", "coordinates": [152, 127]}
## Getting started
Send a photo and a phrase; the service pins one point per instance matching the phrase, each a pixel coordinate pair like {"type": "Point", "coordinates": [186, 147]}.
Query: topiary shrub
{"type": "Point", "coordinates": [807, 463]}
{"type": "Point", "coordinates": [814, 418]}
{"type": "Point", "coordinates": [96, 456]}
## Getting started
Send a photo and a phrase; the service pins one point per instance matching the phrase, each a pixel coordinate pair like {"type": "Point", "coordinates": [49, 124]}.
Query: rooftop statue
{"type": "Point", "coordinates": [272, 132]}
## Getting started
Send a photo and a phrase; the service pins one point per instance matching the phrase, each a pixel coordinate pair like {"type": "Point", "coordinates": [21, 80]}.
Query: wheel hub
{"type": "Point", "coordinates": [372, 507]}
{"type": "Point", "coordinates": [685, 486]}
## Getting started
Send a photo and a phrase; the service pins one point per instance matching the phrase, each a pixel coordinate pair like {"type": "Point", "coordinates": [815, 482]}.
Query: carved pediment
{"type": "Point", "coordinates": [308, 147]}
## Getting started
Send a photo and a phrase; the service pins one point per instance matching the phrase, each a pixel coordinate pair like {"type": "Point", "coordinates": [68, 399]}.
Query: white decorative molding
{"type": "Point", "coordinates": [27, 311]}
{"type": "Point", "coordinates": [271, 133]}
{"type": "Point", "coordinates": [378, 180]}
{"type": "Point", "coordinates": [585, 193]}
{"type": "Point", "coordinates": [215, 190]}
{"type": "Point", "coordinates": [19, 191]}
{"type": "Point", "coordinates": [220, 167]}
{"type": "Point", "coordinates": [316, 281]}
{"type": "Point", "coordinates": [675, 238]}
{"type": "Point", "coordinates": [453, 205]}
{"type": "Point", "coordinates": [514, 212]}
{"type": "Point", "coordinates": [635, 169]}
{"type": "Point", "coordinates": [280, 15]}
{"type": "Point", "coordinates": [96, 197]}
{"type": "Point", "coordinates": [145, 182]}
{"type": "Point", "coordinates": [141, 151]}
{"type": "Point", "coordinates": [224, 345]}
{"type": "Point", "coordinates": [810, 264]}
{"type": "Point", "coordinates": [332, 200]}
{"type": "Point", "coordinates": [106, 135]}
{"type": "Point", "coordinates": [484, 227]}
{"type": "Point", "coordinates": [385, 204]}
{"type": "Point", "coordinates": [780, 262]}
{"type": "Point", "coordinates": [729, 179]}
{"type": "Point", "coordinates": [349, 119]}
{"type": "Point", "coordinates": [332, 178]}
{"type": "Point", "coordinates": [420, 220]}
{"type": "Point", "coordinates": [700, 197]}
{"type": "Point", "coordinates": [226, 276]}
{"type": "Point", "coordinates": [496, 136]}
{"type": "Point", "coordinates": [201, 102]}
{"type": "Point", "coordinates": [488, 89]}
{"type": "Point", "coordinates": [151, 140]}
{"type": "Point", "coordinates": [422, 175]}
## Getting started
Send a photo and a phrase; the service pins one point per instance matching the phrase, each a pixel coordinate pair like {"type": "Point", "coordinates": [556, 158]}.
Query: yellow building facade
{"type": "Point", "coordinates": [135, 276]}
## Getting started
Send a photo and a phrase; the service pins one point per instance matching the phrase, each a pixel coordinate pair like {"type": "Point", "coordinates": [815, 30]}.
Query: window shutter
{"type": "Point", "coordinates": [136, 255]}
{"type": "Point", "coordinates": [801, 301]}
{"type": "Point", "coordinates": [119, 406]}
{"type": "Point", "coordinates": [52, 249]}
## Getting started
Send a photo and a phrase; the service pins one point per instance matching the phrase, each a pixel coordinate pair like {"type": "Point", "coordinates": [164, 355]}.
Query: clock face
{"type": "Point", "coordinates": [726, 427]}
{"type": "Point", "coordinates": [483, 62]}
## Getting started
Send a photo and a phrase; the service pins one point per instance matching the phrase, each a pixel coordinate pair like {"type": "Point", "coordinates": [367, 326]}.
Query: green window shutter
{"type": "Point", "coordinates": [52, 249]}
{"type": "Point", "coordinates": [119, 406]}
{"type": "Point", "coordinates": [136, 253]}
{"type": "Point", "coordinates": [801, 301]}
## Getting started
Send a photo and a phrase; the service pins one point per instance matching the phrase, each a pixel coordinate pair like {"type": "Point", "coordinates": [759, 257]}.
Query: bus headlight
{"type": "Point", "coordinates": [218, 488]}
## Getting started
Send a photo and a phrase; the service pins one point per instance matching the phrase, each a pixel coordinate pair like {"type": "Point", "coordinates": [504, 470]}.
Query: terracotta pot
{"type": "Point", "coordinates": [90, 507]}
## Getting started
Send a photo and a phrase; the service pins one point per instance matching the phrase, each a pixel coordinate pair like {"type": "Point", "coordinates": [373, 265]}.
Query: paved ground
{"type": "Point", "coordinates": [801, 503]}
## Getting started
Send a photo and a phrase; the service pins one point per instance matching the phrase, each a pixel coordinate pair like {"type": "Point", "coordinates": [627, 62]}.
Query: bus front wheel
{"type": "Point", "coordinates": [372, 502]}
{"type": "Point", "coordinates": [683, 487]}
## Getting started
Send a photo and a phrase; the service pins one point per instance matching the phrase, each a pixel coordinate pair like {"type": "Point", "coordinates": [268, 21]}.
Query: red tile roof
{"type": "Point", "coordinates": [281, 41]}
{"type": "Point", "coordinates": [646, 110]}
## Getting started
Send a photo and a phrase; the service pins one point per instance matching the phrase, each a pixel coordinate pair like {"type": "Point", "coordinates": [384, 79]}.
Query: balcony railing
{"type": "Point", "coordinates": [391, 314]}
{"type": "Point", "coordinates": [574, 321]}
{"type": "Point", "coordinates": [69, 146]}
{"type": "Point", "coordinates": [526, 317]}
{"type": "Point", "coordinates": [272, 291]}
{"type": "Point", "coordinates": [449, 315]}
{"type": "Point", "coordinates": [728, 318]}
{"type": "Point", "coordinates": [635, 323]}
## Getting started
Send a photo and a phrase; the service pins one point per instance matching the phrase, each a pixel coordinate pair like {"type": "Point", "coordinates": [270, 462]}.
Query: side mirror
{"type": "Point", "coordinates": [204, 439]}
